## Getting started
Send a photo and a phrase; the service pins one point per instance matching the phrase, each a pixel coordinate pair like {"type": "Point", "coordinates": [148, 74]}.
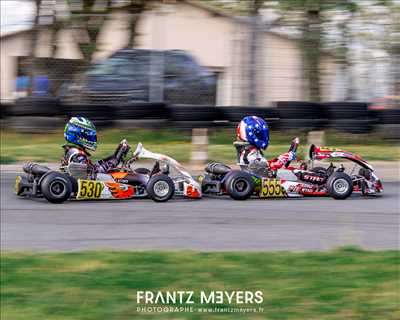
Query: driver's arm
{"type": "Point", "coordinates": [114, 160]}
{"type": "Point", "coordinates": [286, 157]}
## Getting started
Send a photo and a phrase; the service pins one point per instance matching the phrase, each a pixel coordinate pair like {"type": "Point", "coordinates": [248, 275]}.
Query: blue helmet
{"type": "Point", "coordinates": [254, 130]}
{"type": "Point", "coordinates": [81, 132]}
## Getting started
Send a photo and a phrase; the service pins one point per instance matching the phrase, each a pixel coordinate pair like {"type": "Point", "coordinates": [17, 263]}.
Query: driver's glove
{"type": "Point", "coordinates": [292, 155]}
{"type": "Point", "coordinates": [122, 150]}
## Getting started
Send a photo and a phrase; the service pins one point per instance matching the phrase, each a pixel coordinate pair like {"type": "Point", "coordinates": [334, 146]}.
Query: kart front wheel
{"type": "Point", "coordinates": [239, 185]}
{"type": "Point", "coordinates": [340, 186]}
{"type": "Point", "coordinates": [56, 187]}
{"type": "Point", "coordinates": [160, 188]}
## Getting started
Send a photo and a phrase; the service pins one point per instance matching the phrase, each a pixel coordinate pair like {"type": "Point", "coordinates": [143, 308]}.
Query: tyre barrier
{"type": "Point", "coordinates": [101, 115]}
{"type": "Point", "coordinates": [35, 115]}
{"type": "Point", "coordinates": [36, 107]}
{"type": "Point", "coordinates": [28, 124]}
{"type": "Point", "coordinates": [389, 123]}
{"type": "Point", "coordinates": [193, 116]}
{"type": "Point", "coordinates": [141, 115]}
{"type": "Point", "coordinates": [30, 114]}
{"type": "Point", "coordinates": [301, 115]}
{"type": "Point", "coordinates": [134, 111]}
{"type": "Point", "coordinates": [5, 110]}
{"type": "Point", "coordinates": [351, 117]}
{"type": "Point", "coordinates": [232, 115]}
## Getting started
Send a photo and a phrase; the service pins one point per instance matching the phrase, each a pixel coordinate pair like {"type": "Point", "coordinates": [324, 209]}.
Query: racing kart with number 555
{"type": "Point", "coordinates": [292, 181]}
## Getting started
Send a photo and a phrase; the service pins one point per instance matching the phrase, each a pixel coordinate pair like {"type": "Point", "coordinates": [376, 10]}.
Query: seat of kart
{"type": "Point", "coordinates": [35, 169]}
{"type": "Point", "coordinates": [240, 147]}
{"type": "Point", "coordinates": [217, 168]}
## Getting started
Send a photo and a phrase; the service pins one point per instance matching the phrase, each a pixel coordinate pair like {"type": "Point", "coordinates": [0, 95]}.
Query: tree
{"type": "Point", "coordinates": [88, 18]}
{"type": "Point", "coordinates": [32, 49]}
{"type": "Point", "coordinates": [308, 16]}
{"type": "Point", "coordinates": [135, 8]}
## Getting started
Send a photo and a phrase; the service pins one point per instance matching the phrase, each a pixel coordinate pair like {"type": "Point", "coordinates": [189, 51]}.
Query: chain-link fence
{"type": "Point", "coordinates": [180, 60]}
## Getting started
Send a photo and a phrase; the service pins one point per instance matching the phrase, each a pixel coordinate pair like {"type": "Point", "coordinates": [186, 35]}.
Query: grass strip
{"type": "Point", "coordinates": [18, 147]}
{"type": "Point", "coordinates": [347, 283]}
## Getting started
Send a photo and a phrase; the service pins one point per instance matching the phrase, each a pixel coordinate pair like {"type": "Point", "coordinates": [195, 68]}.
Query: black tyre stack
{"type": "Point", "coordinates": [232, 115]}
{"type": "Point", "coordinates": [140, 114]}
{"type": "Point", "coordinates": [101, 115]}
{"type": "Point", "coordinates": [351, 117]}
{"type": "Point", "coordinates": [301, 115]}
{"type": "Point", "coordinates": [192, 116]}
{"type": "Point", "coordinates": [390, 123]}
{"type": "Point", "coordinates": [36, 114]}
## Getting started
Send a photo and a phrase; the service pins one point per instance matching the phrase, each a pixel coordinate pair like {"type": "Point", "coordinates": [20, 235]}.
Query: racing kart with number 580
{"type": "Point", "coordinates": [78, 181]}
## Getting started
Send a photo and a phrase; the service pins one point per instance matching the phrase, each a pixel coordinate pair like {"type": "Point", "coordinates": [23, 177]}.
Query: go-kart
{"type": "Point", "coordinates": [291, 181]}
{"type": "Point", "coordinates": [78, 181]}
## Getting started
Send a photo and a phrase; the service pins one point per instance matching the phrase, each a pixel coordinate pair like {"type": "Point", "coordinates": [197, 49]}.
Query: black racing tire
{"type": "Point", "coordinates": [239, 185]}
{"type": "Point", "coordinates": [340, 185]}
{"type": "Point", "coordinates": [56, 187]}
{"type": "Point", "coordinates": [142, 170]}
{"type": "Point", "coordinates": [74, 183]}
{"type": "Point", "coordinates": [160, 188]}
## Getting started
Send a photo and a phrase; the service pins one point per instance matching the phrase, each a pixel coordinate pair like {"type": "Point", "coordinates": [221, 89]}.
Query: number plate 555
{"type": "Point", "coordinates": [272, 188]}
{"type": "Point", "coordinates": [89, 189]}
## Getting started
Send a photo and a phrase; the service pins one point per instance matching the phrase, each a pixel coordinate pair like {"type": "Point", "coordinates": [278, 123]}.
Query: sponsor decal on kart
{"type": "Point", "coordinates": [272, 188]}
{"type": "Point", "coordinates": [120, 191]}
{"type": "Point", "coordinates": [191, 191]}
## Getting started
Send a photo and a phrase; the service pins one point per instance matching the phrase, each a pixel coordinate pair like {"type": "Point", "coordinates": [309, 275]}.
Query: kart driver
{"type": "Point", "coordinates": [255, 132]}
{"type": "Point", "coordinates": [81, 136]}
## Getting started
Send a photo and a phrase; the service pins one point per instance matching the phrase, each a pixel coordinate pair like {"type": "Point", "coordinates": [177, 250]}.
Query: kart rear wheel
{"type": "Point", "coordinates": [239, 185]}
{"type": "Point", "coordinates": [340, 185]}
{"type": "Point", "coordinates": [160, 188]}
{"type": "Point", "coordinates": [56, 187]}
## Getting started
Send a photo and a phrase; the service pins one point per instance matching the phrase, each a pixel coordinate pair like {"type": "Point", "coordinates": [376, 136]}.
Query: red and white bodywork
{"type": "Point", "coordinates": [367, 182]}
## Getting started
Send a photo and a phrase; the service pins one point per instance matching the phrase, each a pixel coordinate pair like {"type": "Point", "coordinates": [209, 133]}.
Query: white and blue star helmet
{"type": "Point", "coordinates": [254, 130]}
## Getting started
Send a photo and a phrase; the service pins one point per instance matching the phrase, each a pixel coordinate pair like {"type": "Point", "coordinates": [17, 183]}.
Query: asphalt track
{"type": "Point", "coordinates": [210, 224]}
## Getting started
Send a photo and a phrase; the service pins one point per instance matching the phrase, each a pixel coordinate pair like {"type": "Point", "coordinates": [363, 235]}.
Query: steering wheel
{"type": "Point", "coordinates": [293, 148]}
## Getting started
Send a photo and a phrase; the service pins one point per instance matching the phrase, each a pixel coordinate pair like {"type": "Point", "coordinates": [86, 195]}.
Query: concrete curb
{"type": "Point", "coordinates": [386, 170]}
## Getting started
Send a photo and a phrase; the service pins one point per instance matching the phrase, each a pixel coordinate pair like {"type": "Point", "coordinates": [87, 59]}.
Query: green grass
{"type": "Point", "coordinates": [344, 284]}
{"type": "Point", "coordinates": [18, 147]}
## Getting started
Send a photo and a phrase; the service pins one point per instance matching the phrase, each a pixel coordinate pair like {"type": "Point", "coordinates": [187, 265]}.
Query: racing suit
{"type": "Point", "coordinates": [254, 157]}
{"type": "Point", "coordinates": [76, 154]}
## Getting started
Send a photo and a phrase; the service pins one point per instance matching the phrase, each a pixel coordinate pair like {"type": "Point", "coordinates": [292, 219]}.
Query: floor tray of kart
{"type": "Point", "coordinates": [165, 179]}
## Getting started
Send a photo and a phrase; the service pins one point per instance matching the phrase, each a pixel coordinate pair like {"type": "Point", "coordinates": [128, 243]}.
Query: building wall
{"type": "Point", "coordinates": [17, 45]}
{"type": "Point", "coordinates": [281, 70]}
